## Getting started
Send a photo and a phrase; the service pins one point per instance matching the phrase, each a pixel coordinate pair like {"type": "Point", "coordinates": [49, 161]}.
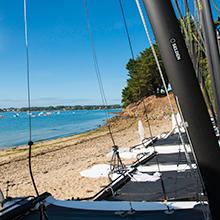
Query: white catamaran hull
{"type": "Point", "coordinates": [66, 210]}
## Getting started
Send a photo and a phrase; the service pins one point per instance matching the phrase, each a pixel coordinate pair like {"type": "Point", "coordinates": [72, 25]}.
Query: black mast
{"type": "Point", "coordinates": [212, 52]}
{"type": "Point", "coordinates": [182, 76]}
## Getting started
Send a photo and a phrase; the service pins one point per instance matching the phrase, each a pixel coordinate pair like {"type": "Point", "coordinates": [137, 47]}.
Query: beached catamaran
{"type": "Point", "coordinates": [108, 204]}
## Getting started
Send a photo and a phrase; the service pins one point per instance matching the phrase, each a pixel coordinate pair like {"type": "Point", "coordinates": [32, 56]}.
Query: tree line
{"type": "Point", "coordinates": [144, 77]}
{"type": "Point", "coordinates": [62, 108]}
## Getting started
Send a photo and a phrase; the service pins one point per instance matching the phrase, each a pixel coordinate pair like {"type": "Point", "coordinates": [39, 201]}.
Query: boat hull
{"type": "Point", "coordinates": [77, 210]}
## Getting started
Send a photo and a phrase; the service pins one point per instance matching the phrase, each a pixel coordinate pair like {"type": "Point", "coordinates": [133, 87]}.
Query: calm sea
{"type": "Point", "coordinates": [14, 128]}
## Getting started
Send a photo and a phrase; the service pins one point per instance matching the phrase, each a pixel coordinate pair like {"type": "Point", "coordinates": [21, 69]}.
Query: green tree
{"type": "Point", "coordinates": [144, 79]}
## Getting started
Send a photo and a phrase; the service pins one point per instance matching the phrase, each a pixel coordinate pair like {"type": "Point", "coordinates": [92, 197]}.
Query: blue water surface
{"type": "Point", "coordinates": [14, 129]}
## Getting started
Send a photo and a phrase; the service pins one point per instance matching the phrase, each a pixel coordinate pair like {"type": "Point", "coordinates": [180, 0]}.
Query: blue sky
{"type": "Point", "coordinates": [61, 66]}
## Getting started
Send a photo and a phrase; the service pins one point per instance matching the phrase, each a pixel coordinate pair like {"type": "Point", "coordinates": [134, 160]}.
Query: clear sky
{"type": "Point", "coordinates": [61, 66]}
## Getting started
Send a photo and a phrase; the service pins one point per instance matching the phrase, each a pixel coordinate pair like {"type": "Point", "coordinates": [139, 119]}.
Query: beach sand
{"type": "Point", "coordinates": [56, 164]}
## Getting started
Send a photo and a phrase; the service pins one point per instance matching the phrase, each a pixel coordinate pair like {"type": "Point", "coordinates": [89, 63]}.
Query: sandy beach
{"type": "Point", "coordinates": [57, 163]}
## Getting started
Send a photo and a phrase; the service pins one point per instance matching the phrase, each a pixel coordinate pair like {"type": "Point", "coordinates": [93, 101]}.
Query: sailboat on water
{"type": "Point", "coordinates": [106, 205]}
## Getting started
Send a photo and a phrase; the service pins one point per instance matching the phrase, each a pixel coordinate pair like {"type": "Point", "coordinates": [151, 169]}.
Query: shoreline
{"type": "Point", "coordinates": [16, 146]}
{"type": "Point", "coordinates": [57, 127]}
{"type": "Point", "coordinates": [57, 163]}
{"type": "Point", "coordinates": [10, 150]}
{"type": "Point", "coordinates": [38, 135]}
{"type": "Point", "coordinates": [20, 152]}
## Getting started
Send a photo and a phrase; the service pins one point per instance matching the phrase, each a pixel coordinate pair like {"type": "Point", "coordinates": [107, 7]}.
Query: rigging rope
{"type": "Point", "coordinates": [97, 69]}
{"type": "Point", "coordinates": [116, 164]}
{"type": "Point", "coordinates": [189, 28]}
{"type": "Point", "coordinates": [201, 194]}
{"type": "Point", "coordinates": [216, 7]}
{"type": "Point", "coordinates": [126, 29]}
{"type": "Point", "coordinates": [30, 142]}
{"type": "Point", "coordinates": [198, 8]}
{"type": "Point", "coordinates": [157, 161]}
{"type": "Point", "coordinates": [183, 25]}
{"type": "Point", "coordinates": [200, 41]}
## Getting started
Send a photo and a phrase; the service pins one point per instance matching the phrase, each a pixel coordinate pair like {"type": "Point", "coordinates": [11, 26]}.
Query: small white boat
{"type": "Point", "coordinates": [16, 115]}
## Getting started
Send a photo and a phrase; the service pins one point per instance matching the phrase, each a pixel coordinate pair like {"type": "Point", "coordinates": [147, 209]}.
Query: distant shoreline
{"type": "Point", "coordinates": [61, 108]}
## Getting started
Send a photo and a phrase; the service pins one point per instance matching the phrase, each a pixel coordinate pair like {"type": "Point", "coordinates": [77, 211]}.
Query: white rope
{"type": "Point", "coordinates": [111, 189]}
{"type": "Point", "coordinates": [162, 78]}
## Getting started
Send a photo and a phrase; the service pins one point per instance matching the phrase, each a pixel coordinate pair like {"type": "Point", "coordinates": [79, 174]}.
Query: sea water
{"type": "Point", "coordinates": [14, 128]}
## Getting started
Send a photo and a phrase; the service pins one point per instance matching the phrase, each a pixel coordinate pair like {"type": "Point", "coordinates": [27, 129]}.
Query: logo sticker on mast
{"type": "Point", "coordinates": [175, 48]}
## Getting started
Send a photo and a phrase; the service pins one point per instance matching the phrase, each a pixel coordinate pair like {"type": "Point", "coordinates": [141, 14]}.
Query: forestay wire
{"type": "Point", "coordinates": [97, 69]}
{"type": "Point", "coordinates": [126, 29]}
{"type": "Point", "coordinates": [30, 142]}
